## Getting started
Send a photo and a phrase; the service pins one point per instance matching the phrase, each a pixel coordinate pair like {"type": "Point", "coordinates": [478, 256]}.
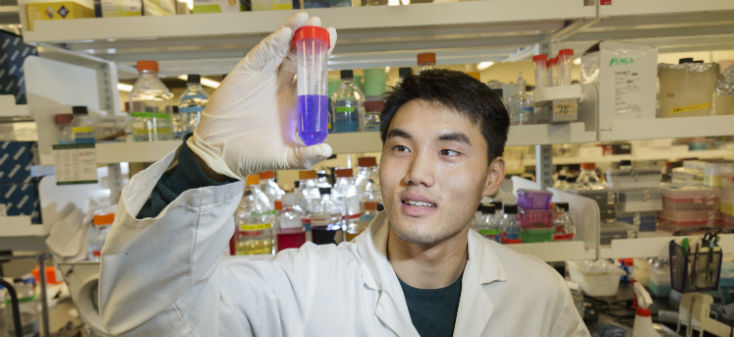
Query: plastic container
{"type": "Point", "coordinates": [426, 61]}
{"type": "Point", "coordinates": [588, 179]}
{"type": "Point", "coordinates": [606, 199]}
{"type": "Point", "coordinates": [312, 45]}
{"type": "Point", "coordinates": [374, 88]}
{"type": "Point", "coordinates": [724, 93]}
{"type": "Point", "coordinates": [521, 106]}
{"type": "Point", "coordinates": [82, 130]}
{"type": "Point", "coordinates": [633, 178]}
{"type": "Point", "coordinates": [534, 199]}
{"type": "Point", "coordinates": [529, 235]}
{"type": "Point", "coordinates": [254, 217]}
{"type": "Point", "coordinates": [326, 225]}
{"type": "Point", "coordinates": [687, 89]}
{"type": "Point", "coordinates": [540, 70]}
{"type": "Point", "coordinates": [616, 230]}
{"type": "Point", "coordinates": [529, 218]}
{"type": "Point", "coordinates": [369, 211]}
{"type": "Point", "coordinates": [150, 105]}
{"type": "Point", "coordinates": [644, 221]}
{"type": "Point", "coordinates": [346, 196]}
{"type": "Point", "coordinates": [367, 181]}
{"type": "Point", "coordinates": [659, 282]}
{"type": "Point", "coordinates": [564, 227]}
{"type": "Point", "coordinates": [687, 176]}
{"type": "Point", "coordinates": [270, 187]}
{"type": "Point", "coordinates": [683, 198]}
{"type": "Point", "coordinates": [63, 128]}
{"type": "Point", "coordinates": [348, 104]}
{"type": "Point", "coordinates": [595, 278]}
{"type": "Point", "coordinates": [97, 234]}
{"type": "Point", "coordinates": [565, 66]}
{"type": "Point", "coordinates": [640, 200]}
{"type": "Point", "coordinates": [192, 103]}
{"type": "Point", "coordinates": [510, 231]}
{"type": "Point", "coordinates": [290, 232]}
{"type": "Point", "coordinates": [687, 224]}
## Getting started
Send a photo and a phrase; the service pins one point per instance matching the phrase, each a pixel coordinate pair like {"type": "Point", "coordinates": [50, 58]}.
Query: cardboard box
{"type": "Point", "coordinates": [159, 7]}
{"type": "Point", "coordinates": [21, 199]}
{"type": "Point", "coordinates": [117, 8]}
{"type": "Point", "coordinates": [56, 11]}
{"type": "Point", "coordinates": [217, 6]}
{"type": "Point", "coordinates": [13, 53]}
{"type": "Point", "coordinates": [16, 159]}
{"type": "Point", "coordinates": [625, 76]}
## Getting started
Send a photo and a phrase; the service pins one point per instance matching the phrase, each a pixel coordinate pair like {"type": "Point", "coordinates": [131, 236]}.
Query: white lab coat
{"type": "Point", "coordinates": [166, 276]}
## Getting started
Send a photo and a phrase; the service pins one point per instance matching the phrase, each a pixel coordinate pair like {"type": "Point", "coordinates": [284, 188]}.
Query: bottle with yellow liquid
{"type": "Point", "coordinates": [254, 221]}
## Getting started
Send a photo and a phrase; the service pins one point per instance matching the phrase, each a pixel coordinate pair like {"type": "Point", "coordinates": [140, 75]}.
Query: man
{"type": "Point", "coordinates": [417, 270]}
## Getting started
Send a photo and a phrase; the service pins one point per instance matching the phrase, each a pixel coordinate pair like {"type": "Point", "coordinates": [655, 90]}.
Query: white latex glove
{"type": "Point", "coordinates": [250, 123]}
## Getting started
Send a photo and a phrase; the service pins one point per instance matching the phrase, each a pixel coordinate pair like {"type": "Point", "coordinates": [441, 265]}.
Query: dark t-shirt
{"type": "Point", "coordinates": [433, 311]}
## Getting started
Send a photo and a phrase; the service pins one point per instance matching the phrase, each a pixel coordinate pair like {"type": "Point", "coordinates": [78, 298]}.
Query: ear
{"type": "Point", "coordinates": [495, 176]}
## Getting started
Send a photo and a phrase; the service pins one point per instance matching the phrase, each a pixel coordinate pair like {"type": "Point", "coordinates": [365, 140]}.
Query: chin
{"type": "Point", "coordinates": [412, 233]}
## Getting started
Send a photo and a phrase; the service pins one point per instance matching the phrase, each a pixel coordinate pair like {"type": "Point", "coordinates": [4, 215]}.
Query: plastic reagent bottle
{"type": "Point", "coordinates": [564, 226]}
{"type": "Point", "coordinates": [521, 106]}
{"type": "Point", "coordinates": [312, 46]}
{"type": "Point", "coordinates": [290, 232]}
{"type": "Point", "coordinates": [488, 226]}
{"type": "Point", "coordinates": [348, 104]}
{"type": "Point", "coordinates": [426, 61]}
{"type": "Point", "coordinates": [270, 187]}
{"type": "Point", "coordinates": [587, 179]}
{"type": "Point", "coordinates": [508, 224]}
{"type": "Point", "coordinates": [367, 180]}
{"type": "Point", "coordinates": [150, 105]}
{"type": "Point", "coordinates": [254, 221]}
{"type": "Point", "coordinates": [346, 197]}
{"type": "Point", "coordinates": [326, 220]}
{"type": "Point", "coordinates": [192, 103]}
{"type": "Point", "coordinates": [540, 70]}
{"type": "Point", "coordinates": [82, 130]}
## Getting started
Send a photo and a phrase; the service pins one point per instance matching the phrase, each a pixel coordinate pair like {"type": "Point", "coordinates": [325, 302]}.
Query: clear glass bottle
{"type": "Point", "coordinates": [367, 180]}
{"type": "Point", "coordinates": [326, 220]}
{"type": "Point", "coordinates": [348, 102]}
{"type": "Point", "coordinates": [63, 128]}
{"type": "Point", "coordinates": [588, 179]}
{"type": "Point", "coordinates": [565, 229]}
{"type": "Point", "coordinates": [82, 127]}
{"type": "Point", "coordinates": [290, 231]}
{"type": "Point", "coordinates": [192, 103]}
{"type": "Point", "coordinates": [508, 225]}
{"type": "Point", "coordinates": [345, 195]}
{"type": "Point", "coordinates": [488, 225]}
{"type": "Point", "coordinates": [521, 105]}
{"type": "Point", "coordinates": [254, 221]}
{"type": "Point", "coordinates": [356, 228]}
{"type": "Point", "coordinates": [560, 183]}
{"type": "Point", "coordinates": [29, 305]}
{"type": "Point", "coordinates": [323, 179]}
{"type": "Point", "coordinates": [308, 190]}
{"type": "Point", "coordinates": [426, 61]}
{"type": "Point", "coordinates": [270, 187]}
{"type": "Point", "coordinates": [150, 105]}
{"type": "Point", "coordinates": [97, 234]}
{"type": "Point", "coordinates": [374, 88]}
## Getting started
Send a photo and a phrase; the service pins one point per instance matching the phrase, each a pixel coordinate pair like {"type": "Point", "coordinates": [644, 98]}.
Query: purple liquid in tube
{"type": "Point", "coordinates": [313, 118]}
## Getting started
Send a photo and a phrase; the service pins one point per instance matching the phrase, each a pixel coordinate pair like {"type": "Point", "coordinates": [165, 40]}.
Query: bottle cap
{"type": "Point", "coordinates": [267, 175]}
{"type": "Point", "coordinates": [367, 162]}
{"type": "Point", "coordinates": [147, 65]}
{"type": "Point", "coordinates": [193, 78]}
{"type": "Point", "coordinates": [405, 71]}
{"type": "Point", "coordinates": [561, 177]}
{"type": "Point", "coordinates": [588, 166]}
{"type": "Point", "coordinates": [685, 60]}
{"type": "Point", "coordinates": [511, 209]}
{"type": "Point", "coordinates": [324, 190]}
{"type": "Point", "coordinates": [278, 205]}
{"type": "Point", "coordinates": [312, 32]}
{"type": "Point", "coordinates": [497, 205]}
{"type": "Point", "coordinates": [310, 174]}
{"type": "Point", "coordinates": [380, 207]}
{"type": "Point", "coordinates": [541, 57]}
{"type": "Point", "coordinates": [79, 110]}
{"type": "Point", "coordinates": [344, 173]}
{"type": "Point", "coordinates": [370, 205]}
{"type": "Point", "coordinates": [571, 179]}
{"type": "Point", "coordinates": [297, 184]}
{"type": "Point", "coordinates": [377, 105]}
{"type": "Point", "coordinates": [103, 219]}
{"type": "Point", "coordinates": [565, 52]}
{"type": "Point", "coordinates": [346, 74]}
{"type": "Point", "coordinates": [63, 119]}
{"type": "Point", "coordinates": [562, 206]}
{"type": "Point", "coordinates": [175, 109]}
{"type": "Point", "coordinates": [487, 209]}
{"type": "Point", "coordinates": [625, 162]}
{"type": "Point", "coordinates": [253, 179]}
{"type": "Point", "coordinates": [424, 58]}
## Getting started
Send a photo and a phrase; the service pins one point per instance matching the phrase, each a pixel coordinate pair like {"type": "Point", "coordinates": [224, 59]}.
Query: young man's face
{"type": "Point", "coordinates": [433, 172]}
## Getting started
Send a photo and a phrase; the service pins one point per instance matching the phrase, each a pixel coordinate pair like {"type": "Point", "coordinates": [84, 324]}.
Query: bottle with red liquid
{"type": "Point", "coordinates": [290, 232]}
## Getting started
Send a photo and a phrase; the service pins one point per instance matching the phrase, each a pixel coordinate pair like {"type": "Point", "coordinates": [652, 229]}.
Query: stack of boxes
{"type": "Point", "coordinates": [638, 194]}
{"type": "Point", "coordinates": [535, 218]}
{"type": "Point", "coordinates": [726, 199]}
{"type": "Point", "coordinates": [18, 190]}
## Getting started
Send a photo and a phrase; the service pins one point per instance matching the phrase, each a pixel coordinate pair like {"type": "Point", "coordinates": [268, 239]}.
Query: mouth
{"type": "Point", "coordinates": [414, 204]}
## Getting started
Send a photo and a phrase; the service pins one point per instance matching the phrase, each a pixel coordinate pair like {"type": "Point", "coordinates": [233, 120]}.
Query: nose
{"type": "Point", "coordinates": [420, 170]}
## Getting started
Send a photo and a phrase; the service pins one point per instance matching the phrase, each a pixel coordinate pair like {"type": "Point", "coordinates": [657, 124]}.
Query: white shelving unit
{"type": "Point", "coordinates": [556, 251]}
{"type": "Point", "coordinates": [8, 108]}
{"type": "Point", "coordinates": [19, 234]}
{"type": "Point", "coordinates": [654, 244]}
{"type": "Point", "coordinates": [681, 127]}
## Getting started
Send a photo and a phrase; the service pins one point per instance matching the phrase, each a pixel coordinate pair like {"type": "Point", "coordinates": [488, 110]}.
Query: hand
{"type": "Point", "coordinates": [249, 125]}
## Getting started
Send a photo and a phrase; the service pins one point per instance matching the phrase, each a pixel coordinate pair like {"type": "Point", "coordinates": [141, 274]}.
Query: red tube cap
{"type": "Point", "coordinates": [312, 32]}
{"type": "Point", "coordinates": [541, 57]}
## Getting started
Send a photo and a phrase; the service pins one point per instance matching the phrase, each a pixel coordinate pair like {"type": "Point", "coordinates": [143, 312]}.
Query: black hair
{"type": "Point", "coordinates": [456, 91]}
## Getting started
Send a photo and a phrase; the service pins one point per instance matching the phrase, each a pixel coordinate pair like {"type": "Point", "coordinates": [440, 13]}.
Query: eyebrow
{"type": "Point", "coordinates": [398, 133]}
{"type": "Point", "coordinates": [455, 137]}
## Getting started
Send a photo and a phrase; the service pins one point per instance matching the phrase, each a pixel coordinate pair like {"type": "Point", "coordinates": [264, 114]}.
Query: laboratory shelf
{"type": "Point", "coordinates": [653, 244]}
{"type": "Point", "coordinates": [556, 251]}
{"type": "Point", "coordinates": [19, 234]}
{"type": "Point", "coordinates": [133, 152]}
{"type": "Point", "coordinates": [8, 108]}
{"type": "Point", "coordinates": [657, 7]}
{"type": "Point", "coordinates": [376, 35]}
{"type": "Point", "coordinates": [631, 129]}
{"type": "Point", "coordinates": [564, 133]}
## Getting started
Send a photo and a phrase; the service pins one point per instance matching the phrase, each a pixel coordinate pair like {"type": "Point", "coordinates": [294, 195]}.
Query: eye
{"type": "Point", "coordinates": [448, 152]}
{"type": "Point", "coordinates": [400, 148]}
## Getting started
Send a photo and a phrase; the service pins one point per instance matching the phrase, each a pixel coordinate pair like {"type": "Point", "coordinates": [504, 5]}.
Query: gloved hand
{"type": "Point", "coordinates": [250, 123]}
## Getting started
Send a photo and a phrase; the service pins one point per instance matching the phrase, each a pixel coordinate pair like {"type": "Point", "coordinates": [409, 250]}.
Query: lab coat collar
{"type": "Point", "coordinates": [483, 268]}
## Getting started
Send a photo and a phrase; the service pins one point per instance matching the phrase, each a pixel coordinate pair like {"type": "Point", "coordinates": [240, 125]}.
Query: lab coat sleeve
{"type": "Point", "coordinates": [568, 321]}
{"type": "Point", "coordinates": [150, 266]}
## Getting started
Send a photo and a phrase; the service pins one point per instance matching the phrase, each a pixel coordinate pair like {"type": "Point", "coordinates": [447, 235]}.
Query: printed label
{"type": "Point", "coordinates": [75, 163]}
{"type": "Point", "coordinates": [692, 107]}
{"type": "Point", "coordinates": [254, 227]}
{"type": "Point", "coordinates": [345, 109]}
